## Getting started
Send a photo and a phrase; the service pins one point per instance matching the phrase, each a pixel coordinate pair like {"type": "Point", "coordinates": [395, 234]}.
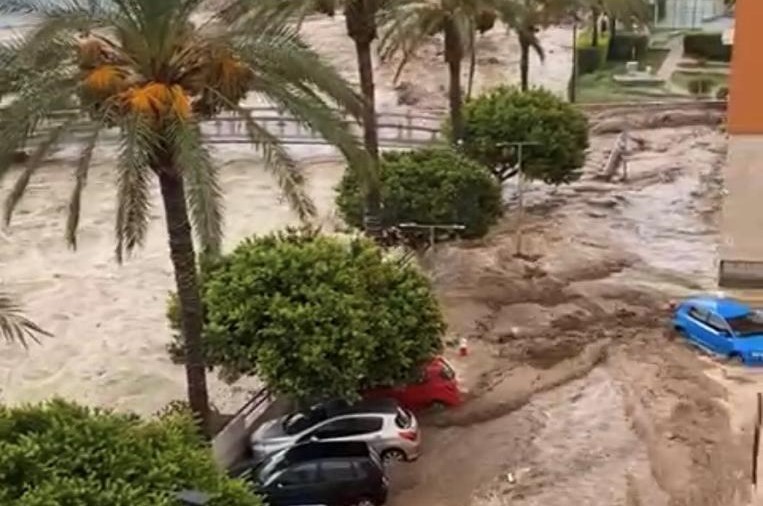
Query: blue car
{"type": "Point", "coordinates": [723, 326]}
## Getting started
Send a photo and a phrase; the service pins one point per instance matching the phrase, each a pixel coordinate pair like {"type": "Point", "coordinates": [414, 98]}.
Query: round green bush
{"type": "Point", "coordinates": [506, 115]}
{"type": "Point", "coordinates": [317, 316]}
{"type": "Point", "coordinates": [59, 453]}
{"type": "Point", "coordinates": [428, 186]}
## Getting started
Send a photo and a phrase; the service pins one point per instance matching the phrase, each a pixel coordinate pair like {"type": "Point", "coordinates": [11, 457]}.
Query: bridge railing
{"type": "Point", "coordinates": [396, 129]}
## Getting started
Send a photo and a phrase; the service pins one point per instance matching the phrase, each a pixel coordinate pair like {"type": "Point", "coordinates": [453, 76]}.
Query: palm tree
{"type": "Point", "coordinates": [407, 27]}
{"type": "Point", "coordinates": [14, 326]}
{"type": "Point", "coordinates": [361, 22]}
{"type": "Point", "coordinates": [145, 75]}
{"type": "Point", "coordinates": [628, 11]}
{"type": "Point", "coordinates": [526, 18]}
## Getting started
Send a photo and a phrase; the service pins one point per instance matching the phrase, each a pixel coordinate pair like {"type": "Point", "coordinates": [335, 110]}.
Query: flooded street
{"type": "Point", "coordinates": [643, 423]}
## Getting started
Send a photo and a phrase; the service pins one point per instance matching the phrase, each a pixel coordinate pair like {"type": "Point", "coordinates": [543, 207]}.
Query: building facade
{"type": "Point", "coordinates": [685, 14]}
{"type": "Point", "coordinates": [741, 248]}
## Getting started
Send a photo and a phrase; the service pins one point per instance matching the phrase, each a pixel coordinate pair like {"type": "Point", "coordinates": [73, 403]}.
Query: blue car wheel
{"type": "Point", "coordinates": [736, 359]}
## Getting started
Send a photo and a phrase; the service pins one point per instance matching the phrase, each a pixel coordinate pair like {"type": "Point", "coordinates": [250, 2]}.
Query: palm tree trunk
{"type": "Point", "coordinates": [186, 280]}
{"type": "Point", "coordinates": [595, 26]}
{"type": "Point", "coordinates": [360, 17]}
{"type": "Point", "coordinates": [524, 62]}
{"type": "Point", "coordinates": [454, 53]}
{"type": "Point", "coordinates": [472, 68]}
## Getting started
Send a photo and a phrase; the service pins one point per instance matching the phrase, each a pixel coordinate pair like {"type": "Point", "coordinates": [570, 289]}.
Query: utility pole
{"type": "Point", "coordinates": [519, 146]}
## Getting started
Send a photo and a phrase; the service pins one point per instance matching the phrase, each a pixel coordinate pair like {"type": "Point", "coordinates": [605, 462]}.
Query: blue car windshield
{"type": "Point", "coordinates": [748, 325]}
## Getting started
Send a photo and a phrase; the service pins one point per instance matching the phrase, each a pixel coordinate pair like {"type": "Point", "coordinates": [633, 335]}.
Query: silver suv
{"type": "Point", "coordinates": [391, 430]}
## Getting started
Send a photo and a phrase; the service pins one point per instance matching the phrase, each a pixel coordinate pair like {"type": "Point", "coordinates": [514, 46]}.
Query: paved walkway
{"type": "Point", "coordinates": [676, 46]}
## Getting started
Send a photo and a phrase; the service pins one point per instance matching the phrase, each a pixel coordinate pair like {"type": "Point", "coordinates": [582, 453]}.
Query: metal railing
{"type": "Point", "coordinates": [396, 129]}
{"type": "Point", "coordinates": [230, 442]}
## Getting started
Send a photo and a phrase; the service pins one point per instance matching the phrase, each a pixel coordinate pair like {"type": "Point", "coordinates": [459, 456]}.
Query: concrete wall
{"type": "Point", "coordinates": [742, 212]}
{"type": "Point", "coordinates": [688, 13]}
{"type": "Point", "coordinates": [741, 249]}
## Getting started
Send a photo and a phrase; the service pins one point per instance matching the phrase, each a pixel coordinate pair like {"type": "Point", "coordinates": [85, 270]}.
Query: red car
{"type": "Point", "coordinates": [436, 387]}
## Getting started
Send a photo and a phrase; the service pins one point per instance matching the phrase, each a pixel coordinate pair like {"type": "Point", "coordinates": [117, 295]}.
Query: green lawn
{"type": "Point", "coordinates": [682, 79]}
{"type": "Point", "coordinates": [601, 87]}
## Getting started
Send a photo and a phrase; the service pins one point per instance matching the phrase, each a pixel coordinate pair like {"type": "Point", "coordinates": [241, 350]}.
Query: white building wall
{"type": "Point", "coordinates": [687, 13]}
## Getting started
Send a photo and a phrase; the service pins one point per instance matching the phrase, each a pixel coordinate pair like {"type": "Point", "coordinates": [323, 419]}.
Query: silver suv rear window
{"type": "Point", "coordinates": [403, 419]}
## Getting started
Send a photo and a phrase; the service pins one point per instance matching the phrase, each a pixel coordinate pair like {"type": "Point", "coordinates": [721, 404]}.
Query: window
{"type": "Point", "coordinates": [717, 323]}
{"type": "Point", "coordinates": [337, 470]}
{"type": "Point", "coordinates": [300, 474]}
{"type": "Point", "coordinates": [748, 325]}
{"type": "Point", "coordinates": [368, 424]}
{"type": "Point", "coordinates": [349, 426]}
{"type": "Point", "coordinates": [403, 419]}
{"type": "Point", "coordinates": [698, 314]}
{"type": "Point", "coordinates": [447, 373]}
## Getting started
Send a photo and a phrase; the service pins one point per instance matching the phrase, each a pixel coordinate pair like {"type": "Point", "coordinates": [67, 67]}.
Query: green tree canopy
{"type": "Point", "coordinates": [317, 316]}
{"type": "Point", "coordinates": [507, 115]}
{"type": "Point", "coordinates": [428, 186]}
{"type": "Point", "coordinates": [59, 453]}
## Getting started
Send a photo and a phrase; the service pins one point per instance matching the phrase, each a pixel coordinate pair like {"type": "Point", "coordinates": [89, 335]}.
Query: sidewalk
{"type": "Point", "coordinates": [676, 46]}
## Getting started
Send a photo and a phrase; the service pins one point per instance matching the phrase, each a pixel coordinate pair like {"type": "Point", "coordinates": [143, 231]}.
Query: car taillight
{"type": "Point", "coordinates": [410, 435]}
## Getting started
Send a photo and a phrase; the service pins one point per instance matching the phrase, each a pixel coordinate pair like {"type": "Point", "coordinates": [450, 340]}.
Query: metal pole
{"type": "Point", "coordinates": [574, 83]}
{"type": "Point", "coordinates": [521, 201]}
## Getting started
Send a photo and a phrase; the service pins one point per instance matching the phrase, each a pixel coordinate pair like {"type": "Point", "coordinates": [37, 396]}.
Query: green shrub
{"type": "Point", "coordinates": [506, 115]}
{"type": "Point", "coordinates": [429, 186]}
{"type": "Point", "coordinates": [590, 58]}
{"type": "Point", "coordinates": [628, 47]}
{"type": "Point", "coordinates": [59, 453]}
{"type": "Point", "coordinates": [317, 316]}
{"type": "Point", "coordinates": [707, 46]}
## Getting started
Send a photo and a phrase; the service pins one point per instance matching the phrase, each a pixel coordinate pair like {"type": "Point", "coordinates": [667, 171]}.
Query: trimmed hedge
{"type": "Point", "coordinates": [590, 58]}
{"type": "Point", "coordinates": [433, 186]}
{"type": "Point", "coordinates": [707, 46]}
{"type": "Point", "coordinates": [623, 46]}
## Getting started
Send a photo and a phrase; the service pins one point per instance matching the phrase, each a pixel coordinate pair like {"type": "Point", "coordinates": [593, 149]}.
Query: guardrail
{"type": "Point", "coordinates": [230, 444]}
{"type": "Point", "coordinates": [396, 129]}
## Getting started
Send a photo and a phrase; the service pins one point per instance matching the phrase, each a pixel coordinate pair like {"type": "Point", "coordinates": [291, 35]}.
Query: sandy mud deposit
{"type": "Point", "coordinates": [577, 397]}
{"type": "Point", "coordinates": [589, 402]}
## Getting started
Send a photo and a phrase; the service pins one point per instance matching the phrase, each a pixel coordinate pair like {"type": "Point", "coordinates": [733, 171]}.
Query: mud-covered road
{"type": "Point", "coordinates": [579, 396]}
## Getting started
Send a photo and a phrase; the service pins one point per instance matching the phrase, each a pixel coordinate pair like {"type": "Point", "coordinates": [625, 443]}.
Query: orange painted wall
{"type": "Point", "coordinates": [746, 89]}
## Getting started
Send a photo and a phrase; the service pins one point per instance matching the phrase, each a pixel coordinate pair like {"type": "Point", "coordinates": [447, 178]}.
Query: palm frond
{"type": "Point", "coordinates": [279, 163]}
{"type": "Point", "coordinates": [133, 184]}
{"type": "Point", "coordinates": [201, 177]}
{"type": "Point", "coordinates": [322, 119]}
{"type": "Point", "coordinates": [280, 52]}
{"type": "Point", "coordinates": [406, 29]}
{"type": "Point", "coordinates": [80, 180]}
{"type": "Point", "coordinates": [14, 326]}
{"type": "Point", "coordinates": [41, 152]}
